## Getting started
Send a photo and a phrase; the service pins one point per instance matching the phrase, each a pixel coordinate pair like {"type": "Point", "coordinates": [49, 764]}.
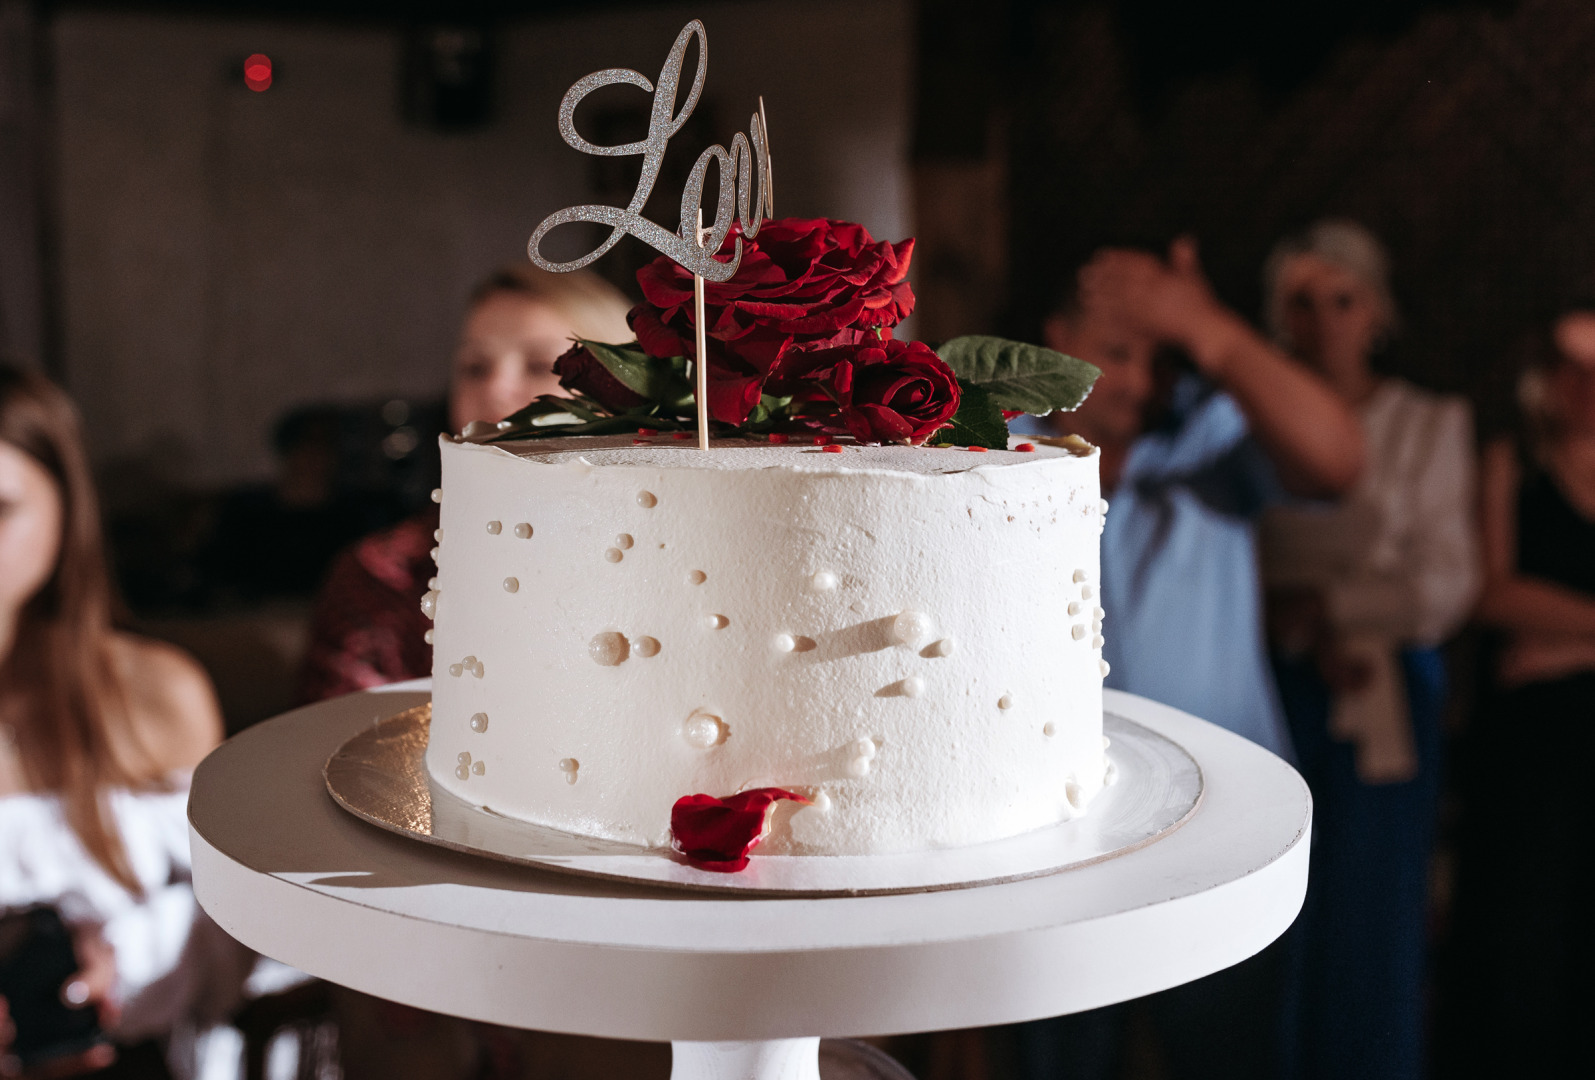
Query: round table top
{"type": "Point", "coordinates": [282, 868]}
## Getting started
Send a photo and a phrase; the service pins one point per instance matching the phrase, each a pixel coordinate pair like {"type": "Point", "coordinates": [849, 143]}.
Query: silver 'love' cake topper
{"type": "Point", "coordinates": [690, 245]}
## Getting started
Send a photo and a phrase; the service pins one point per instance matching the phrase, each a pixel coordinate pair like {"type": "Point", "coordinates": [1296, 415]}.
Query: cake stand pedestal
{"type": "Point", "coordinates": [743, 987]}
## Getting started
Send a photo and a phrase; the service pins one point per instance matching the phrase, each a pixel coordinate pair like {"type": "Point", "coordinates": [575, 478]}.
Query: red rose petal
{"type": "Point", "coordinates": [821, 440]}
{"type": "Point", "coordinates": [1026, 448]}
{"type": "Point", "coordinates": [717, 834]}
{"type": "Point", "coordinates": [779, 437]}
{"type": "Point", "coordinates": [831, 448]}
{"type": "Point", "coordinates": [647, 431]}
{"type": "Point", "coordinates": [682, 435]}
{"type": "Point", "coordinates": [976, 449]}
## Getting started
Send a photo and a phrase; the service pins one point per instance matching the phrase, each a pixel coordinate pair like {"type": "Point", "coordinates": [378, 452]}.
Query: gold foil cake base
{"type": "Point", "coordinates": [379, 775]}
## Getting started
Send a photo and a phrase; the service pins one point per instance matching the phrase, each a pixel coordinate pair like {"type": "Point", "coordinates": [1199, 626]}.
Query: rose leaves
{"type": "Point", "coordinates": [717, 834]}
{"type": "Point", "coordinates": [1000, 378]}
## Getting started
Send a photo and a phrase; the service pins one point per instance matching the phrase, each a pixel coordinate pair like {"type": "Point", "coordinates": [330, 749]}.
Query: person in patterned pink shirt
{"type": "Point", "coordinates": [368, 629]}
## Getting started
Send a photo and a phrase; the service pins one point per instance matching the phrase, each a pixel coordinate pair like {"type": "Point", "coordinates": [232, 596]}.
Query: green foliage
{"type": "Point", "coordinates": [1015, 375]}
{"type": "Point", "coordinates": [659, 380]}
{"type": "Point", "coordinates": [978, 421]}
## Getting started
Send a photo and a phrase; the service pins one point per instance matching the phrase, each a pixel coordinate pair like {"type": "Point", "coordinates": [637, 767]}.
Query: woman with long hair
{"type": "Point", "coordinates": [1520, 958]}
{"type": "Point", "coordinates": [99, 730]}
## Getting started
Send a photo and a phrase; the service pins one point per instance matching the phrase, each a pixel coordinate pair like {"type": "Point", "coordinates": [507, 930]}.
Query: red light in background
{"type": "Point", "coordinates": [257, 72]}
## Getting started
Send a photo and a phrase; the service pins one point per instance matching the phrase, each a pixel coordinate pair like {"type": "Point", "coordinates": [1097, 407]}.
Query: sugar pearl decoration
{"type": "Point", "coordinates": [1049, 729]}
{"type": "Point", "coordinates": [569, 766]}
{"type": "Point", "coordinates": [944, 647]}
{"type": "Point", "coordinates": [624, 541]}
{"type": "Point", "coordinates": [696, 577]}
{"type": "Point", "coordinates": [913, 686]}
{"type": "Point", "coordinates": [1079, 576]}
{"type": "Point", "coordinates": [429, 603]}
{"type": "Point", "coordinates": [494, 528]}
{"type": "Point", "coordinates": [783, 643]}
{"type": "Point", "coordinates": [608, 648]}
{"type": "Point", "coordinates": [646, 646]}
{"type": "Point", "coordinates": [1097, 642]}
{"type": "Point", "coordinates": [511, 585]}
{"type": "Point", "coordinates": [523, 531]}
{"type": "Point", "coordinates": [433, 554]}
{"type": "Point", "coordinates": [479, 767]}
{"type": "Point", "coordinates": [437, 534]}
{"type": "Point", "coordinates": [437, 495]}
{"type": "Point", "coordinates": [703, 730]}
{"type": "Point", "coordinates": [1074, 793]}
{"type": "Point", "coordinates": [427, 637]}
{"type": "Point", "coordinates": [1077, 631]}
{"type": "Point", "coordinates": [824, 581]}
{"type": "Point", "coordinates": [1005, 702]}
{"type": "Point", "coordinates": [1087, 591]}
{"type": "Point", "coordinates": [647, 500]}
{"type": "Point", "coordinates": [717, 622]}
{"type": "Point", "coordinates": [1102, 666]}
{"type": "Point", "coordinates": [432, 583]}
{"type": "Point", "coordinates": [1074, 607]}
{"type": "Point", "coordinates": [479, 722]}
{"type": "Point", "coordinates": [912, 628]}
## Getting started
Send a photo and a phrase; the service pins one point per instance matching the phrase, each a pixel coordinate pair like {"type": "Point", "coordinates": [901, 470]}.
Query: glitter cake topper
{"type": "Point", "coordinates": [747, 160]}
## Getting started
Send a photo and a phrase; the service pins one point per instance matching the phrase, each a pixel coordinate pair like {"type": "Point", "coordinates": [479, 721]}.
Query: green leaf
{"type": "Point", "coordinates": [607, 425]}
{"type": "Point", "coordinates": [978, 421]}
{"type": "Point", "coordinates": [661, 380]}
{"type": "Point", "coordinates": [1019, 376]}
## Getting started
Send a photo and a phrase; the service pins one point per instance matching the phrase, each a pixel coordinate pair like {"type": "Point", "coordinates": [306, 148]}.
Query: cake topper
{"type": "Point", "coordinates": [691, 246]}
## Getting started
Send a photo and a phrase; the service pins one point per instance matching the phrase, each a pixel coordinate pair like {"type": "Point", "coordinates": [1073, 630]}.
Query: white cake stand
{"type": "Point", "coordinates": [743, 987]}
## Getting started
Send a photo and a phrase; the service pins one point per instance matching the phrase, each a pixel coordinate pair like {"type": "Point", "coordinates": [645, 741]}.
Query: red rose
{"type": "Point", "coordinates": [802, 284]}
{"type": "Point", "coordinates": [581, 372]}
{"type": "Point", "coordinates": [717, 834]}
{"type": "Point", "coordinates": [885, 391]}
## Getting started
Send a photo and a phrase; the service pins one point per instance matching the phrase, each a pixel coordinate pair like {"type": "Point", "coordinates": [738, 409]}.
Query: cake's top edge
{"type": "Point", "coordinates": [753, 454]}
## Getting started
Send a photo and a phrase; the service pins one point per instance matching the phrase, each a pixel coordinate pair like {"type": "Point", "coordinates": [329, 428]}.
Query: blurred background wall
{"type": "Point", "coordinates": [1456, 129]}
{"type": "Point", "coordinates": [227, 254]}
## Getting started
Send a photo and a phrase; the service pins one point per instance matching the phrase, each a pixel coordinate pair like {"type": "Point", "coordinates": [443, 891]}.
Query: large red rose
{"type": "Point", "coordinates": [802, 284]}
{"type": "Point", "coordinates": [883, 391]}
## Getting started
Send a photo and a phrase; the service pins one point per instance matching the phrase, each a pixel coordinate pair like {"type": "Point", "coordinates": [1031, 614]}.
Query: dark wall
{"type": "Point", "coordinates": [1460, 132]}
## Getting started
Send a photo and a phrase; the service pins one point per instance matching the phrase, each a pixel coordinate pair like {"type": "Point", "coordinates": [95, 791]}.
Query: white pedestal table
{"type": "Point", "coordinates": [743, 987]}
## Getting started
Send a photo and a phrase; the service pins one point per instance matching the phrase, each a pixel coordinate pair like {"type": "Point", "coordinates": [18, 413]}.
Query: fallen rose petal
{"type": "Point", "coordinates": [717, 834]}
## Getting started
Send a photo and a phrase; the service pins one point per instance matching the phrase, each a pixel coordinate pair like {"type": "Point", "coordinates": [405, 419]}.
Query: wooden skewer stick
{"type": "Point", "coordinates": [701, 362]}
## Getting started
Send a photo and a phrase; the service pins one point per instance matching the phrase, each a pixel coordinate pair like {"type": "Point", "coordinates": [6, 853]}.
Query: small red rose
{"type": "Point", "coordinates": [717, 834]}
{"type": "Point", "coordinates": [581, 372]}
{"type": "Point", "coordinates": [881, 391]}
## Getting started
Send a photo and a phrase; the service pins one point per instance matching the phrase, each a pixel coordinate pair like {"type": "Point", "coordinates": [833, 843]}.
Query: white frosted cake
{"type": "Point", "coordinates": [908, 637]}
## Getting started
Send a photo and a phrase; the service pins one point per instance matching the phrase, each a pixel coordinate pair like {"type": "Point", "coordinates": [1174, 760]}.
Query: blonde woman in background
{"type": "Point", "coordinates": [368, 628]}
{"type": "Point", "coordinates": [1361, 595]}
{"type": "Point", "coordinates": [1523, 949]}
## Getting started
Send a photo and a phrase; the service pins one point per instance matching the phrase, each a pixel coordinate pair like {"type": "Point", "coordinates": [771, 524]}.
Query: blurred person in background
{"type": "Point", "coordinates": [1361, 594]}
{"type": "Point", "coordinates": [99, 731]}
{"type": "Point", "coordinates": [1189, 460]}
{"type": "Point", "coordinates": [1523, 948]}
{"type": "Point", "coordinates": [368, 628]}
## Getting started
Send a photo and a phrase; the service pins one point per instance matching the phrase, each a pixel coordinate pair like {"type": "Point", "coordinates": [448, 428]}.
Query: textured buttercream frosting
{"type": "Point", "coordinates": [910, 637]}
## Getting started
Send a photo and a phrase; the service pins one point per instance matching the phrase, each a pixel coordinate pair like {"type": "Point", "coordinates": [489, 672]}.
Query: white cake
{"type": "Point", "coordinates": [909, 637]}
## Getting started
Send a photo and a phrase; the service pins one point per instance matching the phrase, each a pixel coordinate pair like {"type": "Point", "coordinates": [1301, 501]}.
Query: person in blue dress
{"type": "Point", "coordinates": [1190, 459]}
